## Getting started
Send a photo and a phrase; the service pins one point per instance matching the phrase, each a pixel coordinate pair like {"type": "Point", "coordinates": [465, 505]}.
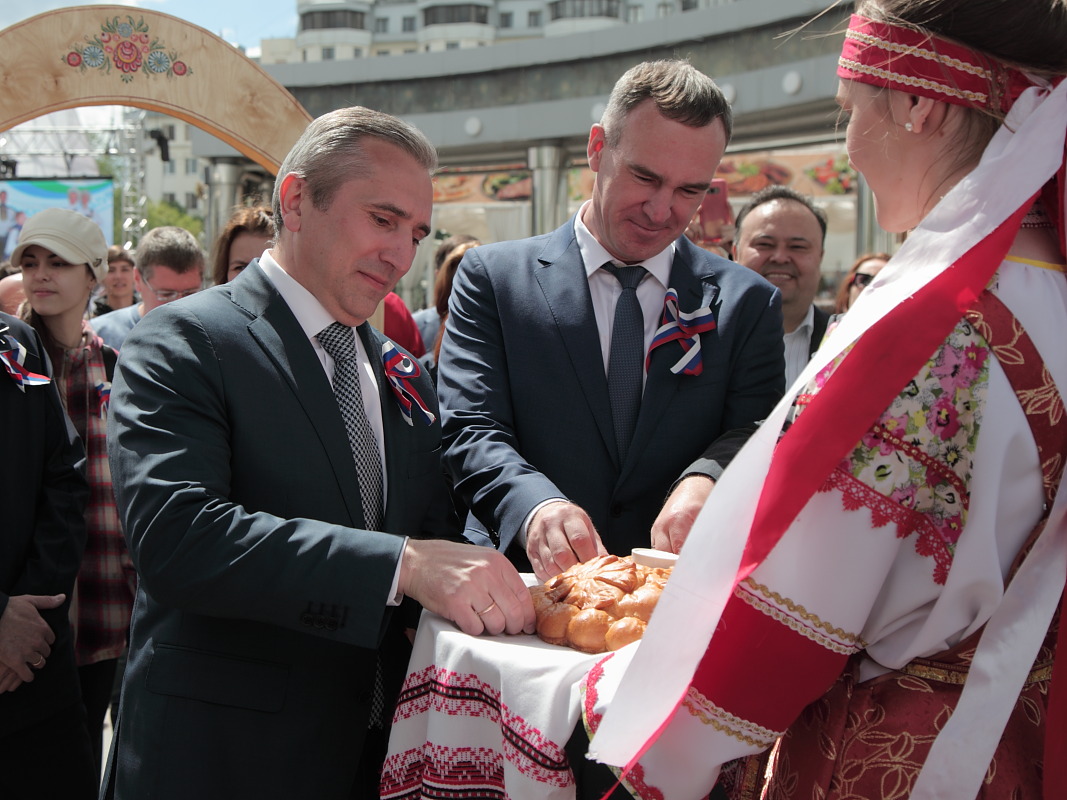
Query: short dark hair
{"type": "Point", "coordinates": [680, 91]}
{"type": "Point", "coordinates": [780, 193]}
{"type": "Point", "coordinates": [171, 247]}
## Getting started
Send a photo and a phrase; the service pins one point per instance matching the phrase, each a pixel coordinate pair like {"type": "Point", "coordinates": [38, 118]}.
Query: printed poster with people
{"type": "Point", "coordinates": [21, 198]}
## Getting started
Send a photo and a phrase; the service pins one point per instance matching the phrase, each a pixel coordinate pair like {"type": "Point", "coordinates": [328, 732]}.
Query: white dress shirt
{"type": "Point", "coordinates": [604, 289]}
{"type": "Point", "coordinates": [798, 347]}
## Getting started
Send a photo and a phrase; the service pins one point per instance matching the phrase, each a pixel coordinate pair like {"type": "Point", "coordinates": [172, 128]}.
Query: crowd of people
{"type": "Point", "coordinates": [235, 501]}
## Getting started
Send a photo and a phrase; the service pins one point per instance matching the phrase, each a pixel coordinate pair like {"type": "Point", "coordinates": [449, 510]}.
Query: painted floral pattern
{"type": "Point", "coordinates": [913, 467]}
{"type": "Point", "coordinates": [127, 47]}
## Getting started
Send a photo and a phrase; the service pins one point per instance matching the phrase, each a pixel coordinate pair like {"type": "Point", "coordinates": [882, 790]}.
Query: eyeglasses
{"type": "Point", "coordinates": [862, 279]}
{"type": "Point", "coordinates": [167, 295]}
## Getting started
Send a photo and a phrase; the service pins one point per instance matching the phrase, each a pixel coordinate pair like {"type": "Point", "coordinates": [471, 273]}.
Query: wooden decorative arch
{"type": "Point", "coordinates": [118, 55]}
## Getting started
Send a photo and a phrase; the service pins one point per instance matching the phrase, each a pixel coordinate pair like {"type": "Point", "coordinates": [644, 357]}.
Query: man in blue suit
{"type": "Point", "coordinates": [276, 464]}
{"type": "Point", "coordinates": [533, 442]}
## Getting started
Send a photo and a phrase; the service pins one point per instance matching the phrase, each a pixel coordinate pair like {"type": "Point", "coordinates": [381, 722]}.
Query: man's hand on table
{"type": "Point", "coordinates": [676, 518]}
{"type": "Point", "coordinates": [559, 536]}
{"type": "Point", "coordinates": [475, 587]}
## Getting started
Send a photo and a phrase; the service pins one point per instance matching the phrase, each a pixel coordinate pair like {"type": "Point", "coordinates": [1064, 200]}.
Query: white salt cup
{"type": "Point", "coordinates": [647, 557]}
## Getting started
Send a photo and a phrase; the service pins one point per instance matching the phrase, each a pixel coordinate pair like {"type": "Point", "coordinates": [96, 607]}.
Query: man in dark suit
{"type": "Point", "coordinates": [543, 457]}
{"type": "Point", "coordinates": [44, 741]}
{"type": "Point", "coordinates": [249, 492]}
{"type": "Point", "coordinates": [781, 234]}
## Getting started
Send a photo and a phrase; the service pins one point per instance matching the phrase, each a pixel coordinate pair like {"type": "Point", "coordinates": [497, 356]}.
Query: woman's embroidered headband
{"type": "Point", "coordinates": [895, 57]}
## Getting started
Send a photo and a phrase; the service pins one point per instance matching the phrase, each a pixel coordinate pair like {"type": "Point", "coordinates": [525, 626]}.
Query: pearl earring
{"type": "Point", "coordinates": [907, 127]}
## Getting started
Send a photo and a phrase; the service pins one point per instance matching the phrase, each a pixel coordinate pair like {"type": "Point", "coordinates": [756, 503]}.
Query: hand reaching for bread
{"type": "Point", "coordinates": [600, 605]}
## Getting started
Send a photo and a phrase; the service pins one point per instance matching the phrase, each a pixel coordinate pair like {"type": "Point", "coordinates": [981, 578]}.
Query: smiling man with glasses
{"type": "Point", "coordinates": [170, 266]}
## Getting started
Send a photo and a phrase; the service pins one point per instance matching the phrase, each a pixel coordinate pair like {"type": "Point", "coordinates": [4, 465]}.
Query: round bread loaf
{"type": "Point", "coordinates": [598, 606]}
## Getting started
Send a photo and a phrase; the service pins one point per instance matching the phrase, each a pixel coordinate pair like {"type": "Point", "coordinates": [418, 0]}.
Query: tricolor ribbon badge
{"type": "Point", "coordinates": [684, 327]}
{"type": "Point", "coordinates": [399, 370]}
{"type": "Point", "coordinates": [13, 356]}
{"type": "Point", "coordinates": [103, 394]}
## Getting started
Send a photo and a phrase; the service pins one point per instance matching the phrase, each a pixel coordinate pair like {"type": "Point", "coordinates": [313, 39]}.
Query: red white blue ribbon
{"type": "Point", "coordinates": [399, 370]}
{"type": "Point", "coordinates": [684, 327]}
{"type": "Point", "coordinates": [13, 356]}
{"type": "Point", "coordinates": [103, 394]}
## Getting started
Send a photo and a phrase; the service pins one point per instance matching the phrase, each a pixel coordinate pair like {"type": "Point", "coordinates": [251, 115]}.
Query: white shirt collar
{"type": "Point", "coordinates": [809, 321]}
{"type": "Point", "coordinates": [594, 255]}
{"type": "Point", "coordinates": [308, 311]}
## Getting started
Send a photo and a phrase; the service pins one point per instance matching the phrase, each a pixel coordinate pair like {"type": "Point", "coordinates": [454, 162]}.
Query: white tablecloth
{"type": "Point", "coordinates": [484, 717]}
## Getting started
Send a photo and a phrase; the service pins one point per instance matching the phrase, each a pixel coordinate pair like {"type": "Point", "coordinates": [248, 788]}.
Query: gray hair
{"type": "Point", "coordinates": [330, 152]}
{"type": "Point", "coordinates": [171, 247]}
{"type": "Point", "coordinates": [680, 91]}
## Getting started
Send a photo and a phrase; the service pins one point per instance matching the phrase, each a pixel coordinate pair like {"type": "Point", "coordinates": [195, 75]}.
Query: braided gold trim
{"type": "Point", "coordinates": [922, 83]}
{"type": "Point", "coordinates": [836, 639]}
{"type": "Point", "coordinates": [930, 55]}
{"type": "Point", "coordinates": [724, 722]}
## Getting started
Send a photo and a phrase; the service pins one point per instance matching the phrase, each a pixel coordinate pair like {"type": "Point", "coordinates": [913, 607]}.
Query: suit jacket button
{"type": "Point", "coordinates": [616, 510]}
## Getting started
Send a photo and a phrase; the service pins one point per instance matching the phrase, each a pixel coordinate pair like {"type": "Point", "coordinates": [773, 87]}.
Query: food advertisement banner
{"type": "Point", "coordinates": [818, 172]}
{"type": "Point", "coordinates": [495, 186]}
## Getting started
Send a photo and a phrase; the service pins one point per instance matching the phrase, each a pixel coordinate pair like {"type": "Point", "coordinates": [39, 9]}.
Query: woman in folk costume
{"type": "Point", "coordinates": [878, 586]}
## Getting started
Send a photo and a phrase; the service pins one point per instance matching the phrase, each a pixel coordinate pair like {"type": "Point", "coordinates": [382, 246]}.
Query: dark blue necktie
{"type": "Point", "coordinates": [626, 361]}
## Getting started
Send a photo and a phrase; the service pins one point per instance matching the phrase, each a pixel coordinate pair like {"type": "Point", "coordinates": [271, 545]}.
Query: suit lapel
{"type": "Point", "coordinates": [284, 343]}
{"type": "Point", "coordinates": [693, 280]}
{"type": "Point", "coordinates": [562, 278]}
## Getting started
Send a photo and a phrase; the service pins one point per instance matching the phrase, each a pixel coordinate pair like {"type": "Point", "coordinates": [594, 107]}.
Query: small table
{"type": "Point", "coordinates": [484, 717]}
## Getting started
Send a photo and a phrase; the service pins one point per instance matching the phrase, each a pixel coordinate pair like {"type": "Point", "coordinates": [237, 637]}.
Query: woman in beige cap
{"type": "Point", "coordinates": [63, 255]}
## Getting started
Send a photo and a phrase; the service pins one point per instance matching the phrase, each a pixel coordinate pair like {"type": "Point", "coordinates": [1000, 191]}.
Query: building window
{"type": "Point", "coordinates": [533, 19]}
{"type": "Point", "coordinates": [664, 10]}
{"type": "Point", "coordinates": [583, 9]}
{"type": "Point", "coordinates": [169, 131]}
{"type": "Point", "coordinates": [451, 45]}
{"type": "Point", "coordinates": [381, 53]}
{"type": "Point", "coordinates": [690, 5]}
{"type": "Point", "coordinates": [328, 54]}
{"type": "Point", "coordinates": [357, 52]}
{"type": "Point", "coordinates": [168, 197]}
{"type": "Point", "coordinates": [408, 25]}
{"type": "Point", "coordinates": [190, 201]}
{"type": "Point", "coordinates": [505, 19]}
{"type": "Point", "coordinates": [445, 15]}
{"type": "Point", "coordinates": [318, 20]}
{"type": "Point", "coordinates": [171, 168]}
{"type": "Point", "coordinates": [635, 13]}
{"type": "Point", "coordinates": [192, 166]}
{"type": "Point", "coordinates": [381, 24]}
{"type": "Point", "coordinates": [410, 50]}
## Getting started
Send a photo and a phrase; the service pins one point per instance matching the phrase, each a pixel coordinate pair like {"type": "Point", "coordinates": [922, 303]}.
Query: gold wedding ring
{"type": "Point", "coordinates": [483, 613]}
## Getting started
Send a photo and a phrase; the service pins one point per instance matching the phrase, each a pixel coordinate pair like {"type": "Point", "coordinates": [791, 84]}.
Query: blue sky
{"type": "Point", "coordinates": [243, 22]}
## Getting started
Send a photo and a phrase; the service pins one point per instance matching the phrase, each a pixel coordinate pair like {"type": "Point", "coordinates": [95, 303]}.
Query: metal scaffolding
{"type": "Point", "coordinates": [122, 145]}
